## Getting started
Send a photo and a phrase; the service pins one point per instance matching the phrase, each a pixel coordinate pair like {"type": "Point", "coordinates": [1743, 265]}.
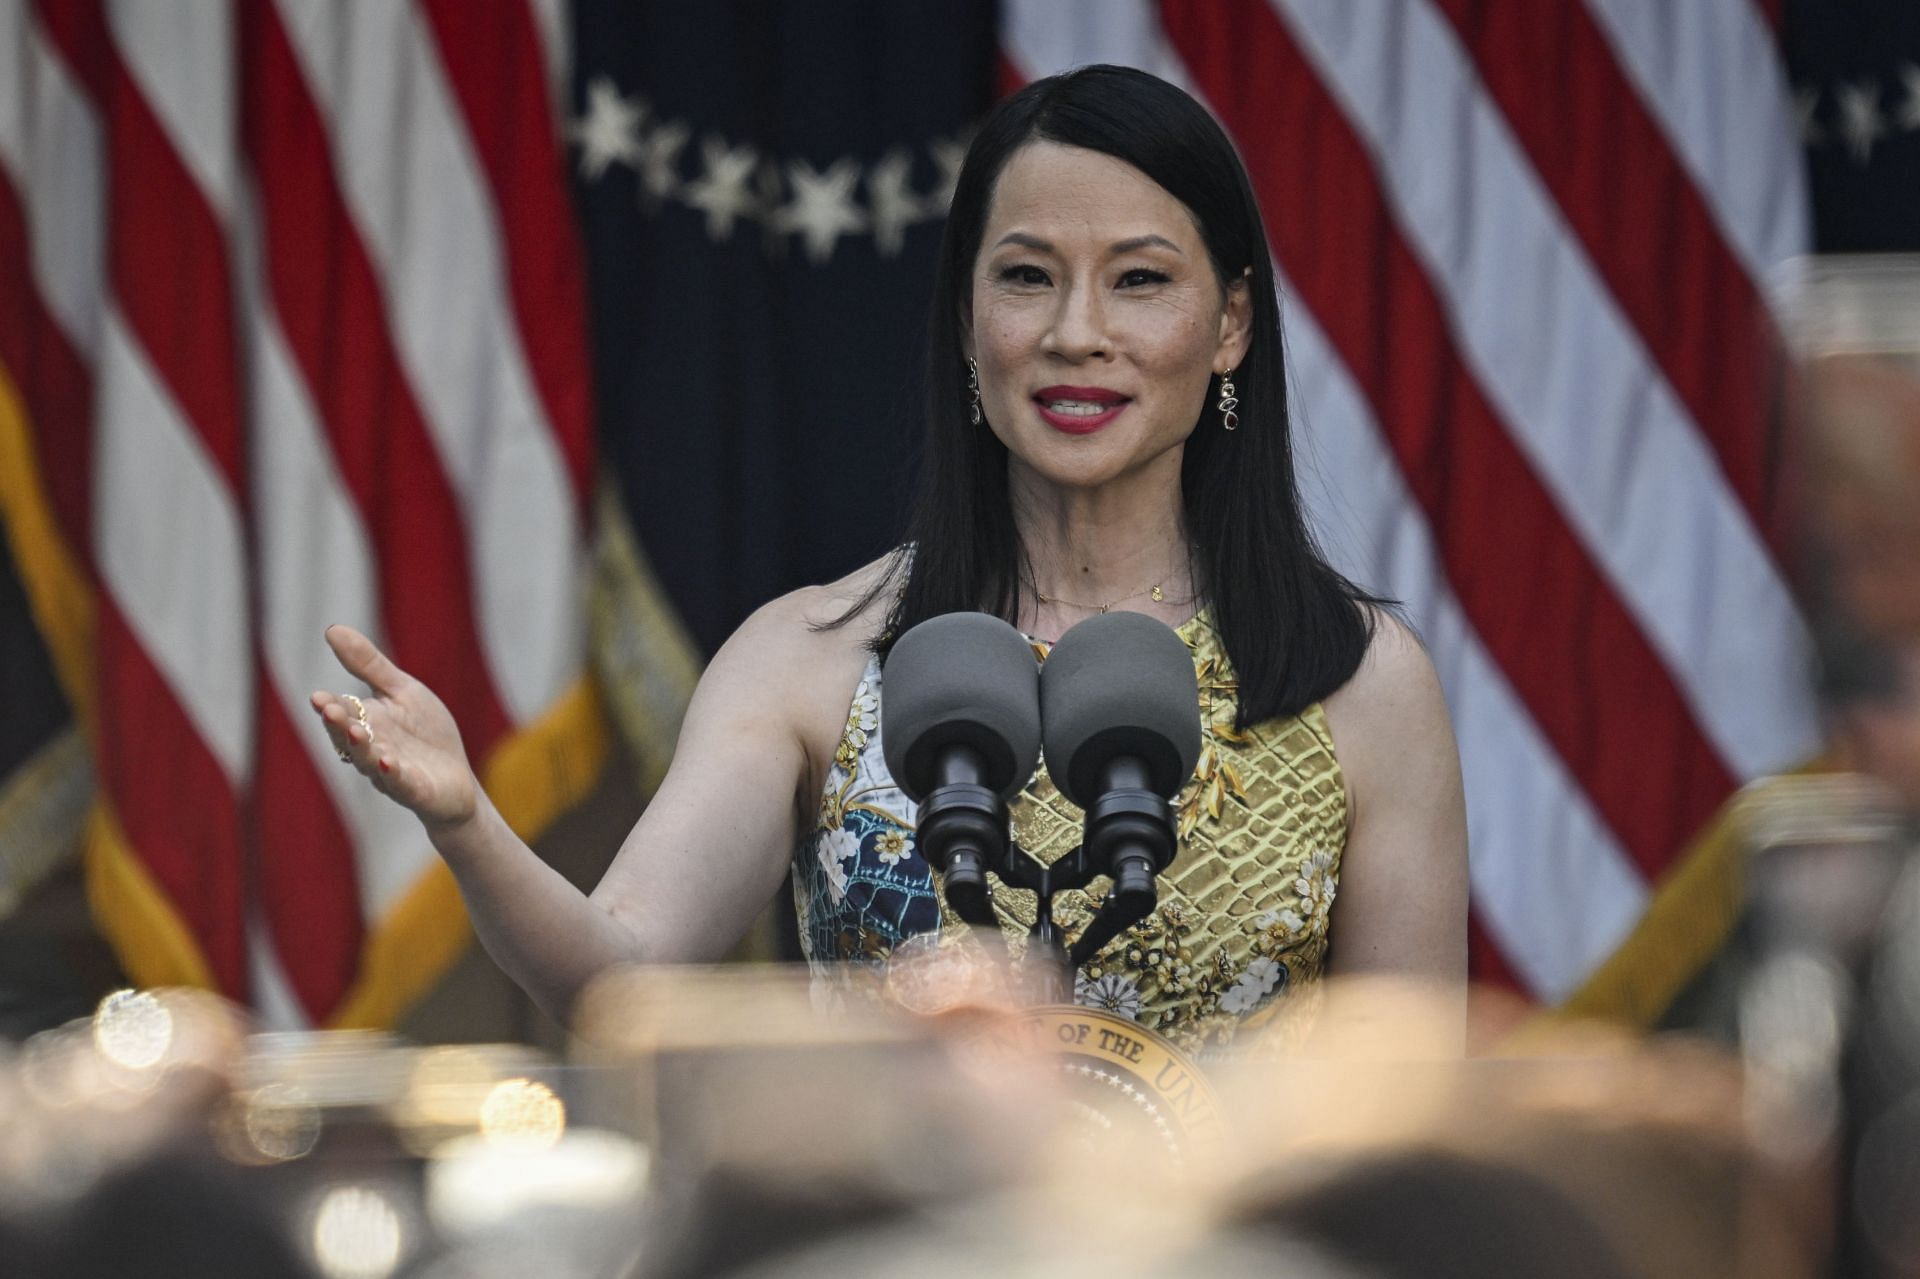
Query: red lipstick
{"type": "Point", "coordinates": [1082, 422]}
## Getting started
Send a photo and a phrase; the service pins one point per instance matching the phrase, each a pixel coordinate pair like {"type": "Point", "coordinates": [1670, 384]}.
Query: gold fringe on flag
{"type": "Point", "coordinates": [646, 663]}
{"type": "Point", "coordinates": [154, 945]}
{"type": "Point", "coordinates": [1687, 923]}
{"type": "Point", "coordinates": [57, 588]}
{"type": "Point", "coordinates": [43, 810]}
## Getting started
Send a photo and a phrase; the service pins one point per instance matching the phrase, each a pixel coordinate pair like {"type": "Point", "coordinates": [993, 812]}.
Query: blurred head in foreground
{"type": "Point", "coordinates": [1373, 1153]}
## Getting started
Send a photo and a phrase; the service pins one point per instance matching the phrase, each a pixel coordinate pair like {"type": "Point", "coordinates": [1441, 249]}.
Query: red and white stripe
{"type": "Point", "coordinates": [52, 203]}
{"type": "Point", "coordinates": [1521, 247]}
{"type": "Point", "coordinates": [303, 339]}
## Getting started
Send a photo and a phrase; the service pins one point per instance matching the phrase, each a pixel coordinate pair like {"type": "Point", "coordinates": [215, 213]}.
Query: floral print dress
{"type": "Point", "coordinates": [1229, 957]}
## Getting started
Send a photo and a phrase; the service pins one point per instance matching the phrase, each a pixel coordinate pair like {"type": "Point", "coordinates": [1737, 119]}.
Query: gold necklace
{"type": "Point", "coordinates": [1153, 592]}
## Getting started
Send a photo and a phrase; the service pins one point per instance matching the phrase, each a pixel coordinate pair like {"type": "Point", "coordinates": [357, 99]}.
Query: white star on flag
{"type": "Point", "coordinates": [609, 132]}
{"type": "Point", "coordinates": [723, 192]}
{"type": "Point", "coordinates": [823, 208]}
{"type": "Point", "coordinates": [895, 207]}
{"type": "Point", "coordinates": [1860, 122]}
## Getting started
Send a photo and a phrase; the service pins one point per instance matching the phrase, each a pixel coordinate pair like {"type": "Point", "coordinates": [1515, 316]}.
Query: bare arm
{"type": "Point", "coordinates": [1401, 909]}
{"type": "Point", "coordinates": [698, 866]}
{"type": "Point", "coordinates": [713, 844]}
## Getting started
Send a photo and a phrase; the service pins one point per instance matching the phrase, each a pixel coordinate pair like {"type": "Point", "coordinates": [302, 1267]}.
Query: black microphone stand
{"type": "Point", "coordinates": [1129, 836]}
{"type": "Point", "coordinates": [1046, 949]}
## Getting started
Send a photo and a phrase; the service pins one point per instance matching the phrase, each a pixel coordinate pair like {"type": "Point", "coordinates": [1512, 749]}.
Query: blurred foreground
{"type": "Point", "coordinates": [715, 1122]}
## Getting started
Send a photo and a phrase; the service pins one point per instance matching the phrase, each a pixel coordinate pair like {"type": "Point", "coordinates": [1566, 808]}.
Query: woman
{"type": "Point", "coordinates": [1107, 430]}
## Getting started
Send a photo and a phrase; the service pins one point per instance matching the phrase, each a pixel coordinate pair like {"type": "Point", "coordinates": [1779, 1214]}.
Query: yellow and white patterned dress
{"type": "Point", "coordinates": [1239, 937]}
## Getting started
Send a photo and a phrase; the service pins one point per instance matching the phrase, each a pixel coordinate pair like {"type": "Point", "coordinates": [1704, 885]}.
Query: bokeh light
{"type": "Point", "coordinates": [280, 1122]}
{"type": "Point", "coordinates": [522, 1114]}
{"type": "Point", "coordinates": [133, 1029]}
{"type": "Point", "coordinates": [476, 1189]}
{"type": "Point", "coordinates": [357, 1234]}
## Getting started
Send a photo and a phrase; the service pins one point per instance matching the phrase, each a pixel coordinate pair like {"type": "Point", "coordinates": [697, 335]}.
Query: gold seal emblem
{"type": "Point", "coordinates": [1123, 1080]}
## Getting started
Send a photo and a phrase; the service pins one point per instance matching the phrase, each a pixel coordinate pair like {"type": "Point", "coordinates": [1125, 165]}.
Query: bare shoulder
{"type": "Point", "coordinates": [1392, 714]}
{"type": "Point", "coordinates": [1395, 676]}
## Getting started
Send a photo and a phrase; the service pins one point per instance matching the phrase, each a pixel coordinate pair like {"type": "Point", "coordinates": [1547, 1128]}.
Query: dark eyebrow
{"type": "Point", "coordinates": [1038, 245]}
{"type": "Point", "coordinates": [1144, 242]}
{"type": "Point", "coordinates": [1025, 241]}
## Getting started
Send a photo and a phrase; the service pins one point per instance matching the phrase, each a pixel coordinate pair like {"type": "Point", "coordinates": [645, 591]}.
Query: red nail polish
{"type": "Point", "coordinates": [384, 768]}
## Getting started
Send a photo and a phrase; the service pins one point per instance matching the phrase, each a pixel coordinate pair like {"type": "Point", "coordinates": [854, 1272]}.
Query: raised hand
{"type": "Point", "coordinates": [398, 734]}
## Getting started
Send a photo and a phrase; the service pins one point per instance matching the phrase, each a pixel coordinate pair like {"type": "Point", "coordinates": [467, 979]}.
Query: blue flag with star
{"type": "Point", "coordinates": [762, 188]}
{"type": "Point", "coordinates": [1855, 66]}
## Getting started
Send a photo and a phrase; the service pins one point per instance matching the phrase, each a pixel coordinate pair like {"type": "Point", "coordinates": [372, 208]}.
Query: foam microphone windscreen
{"type": "Point", "coordinates": [1119, 684]}
{"type": "Point", "coordinates": [964, 679]}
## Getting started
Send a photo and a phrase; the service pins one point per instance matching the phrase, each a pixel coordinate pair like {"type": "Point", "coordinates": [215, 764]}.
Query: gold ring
{"type": "Point", "coordinates": [359, 713]}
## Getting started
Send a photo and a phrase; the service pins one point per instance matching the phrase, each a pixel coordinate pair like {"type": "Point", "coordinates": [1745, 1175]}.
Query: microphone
{"type": "Point", "coordinates": [1121, 708]}
{"type": "Point", "coordinates": [960, 730]}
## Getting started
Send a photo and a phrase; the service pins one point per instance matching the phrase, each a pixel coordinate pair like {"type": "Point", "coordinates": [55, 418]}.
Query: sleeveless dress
{"type": "Point", "coordinates": [1235, 947]}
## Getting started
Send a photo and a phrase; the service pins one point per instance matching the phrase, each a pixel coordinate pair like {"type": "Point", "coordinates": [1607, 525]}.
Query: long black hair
{"type": "Point", "coordinates": [1294, 630]}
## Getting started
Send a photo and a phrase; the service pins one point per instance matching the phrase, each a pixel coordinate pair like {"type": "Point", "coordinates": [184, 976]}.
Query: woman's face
{"type": "Point", "coordinates": [1097, 318]}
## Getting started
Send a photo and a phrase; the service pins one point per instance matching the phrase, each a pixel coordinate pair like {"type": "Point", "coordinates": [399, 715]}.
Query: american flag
{"type": "Point", "coordinates": [292, 332]}
{"type": "Point", "coordinates": [1524, 247]}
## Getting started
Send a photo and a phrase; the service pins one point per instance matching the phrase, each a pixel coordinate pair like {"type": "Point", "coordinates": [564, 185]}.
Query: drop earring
{"type": "Point", "coordinates": [1229, 419]}
{"type": "Point", "coordinates": [973, 392]}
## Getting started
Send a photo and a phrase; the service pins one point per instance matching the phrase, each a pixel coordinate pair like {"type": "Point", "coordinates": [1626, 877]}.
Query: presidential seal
{"type": "Point", "coordinates": [1124, 1083]}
